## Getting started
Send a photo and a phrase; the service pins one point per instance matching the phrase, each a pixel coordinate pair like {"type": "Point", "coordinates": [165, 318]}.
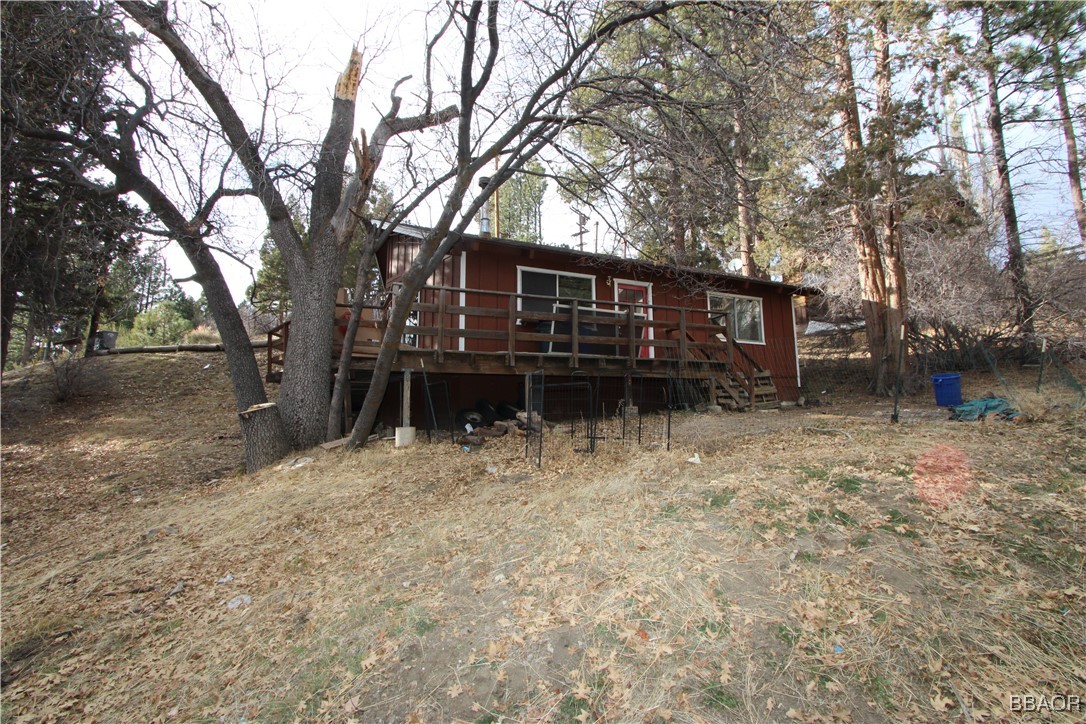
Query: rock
{"type": "Point", "coordinates": [714, 409]}
{"type": "Point", "coordinates": [225, 579]}
{"type": "Point", "coordinates": [239, 601]}
{"type": "Point", "coordinates": [176, 589]}
{"type": "Point", "coordinates": [537, 422]}
{"type": "Point", "coordinates": [491, 469]}
{"type": "Point", "coordinates": [695, 458]}
{"type": "Point", "coordinates": [295, 463]}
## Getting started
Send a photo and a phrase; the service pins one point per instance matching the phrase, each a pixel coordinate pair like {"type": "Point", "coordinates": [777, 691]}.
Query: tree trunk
{"type": "Point", "coordinates": [305, 391]}
{"type": "Point", "coordinates": [263, 431]}
{"type": "Point", "coordinates": [29, 336]}
{"type": "Point", "coordinates": [339, 388]}
{"type": "Point", "coordinates": [961, 156]}
{"type": "Point", "coordinates": [8, 298]}
{"type": "Point", "coordinates": [1025, 306]}
{"type": "Point", "coordinates": [897, 310]}
{"type": "Point", "coordinates": [1067, 123]}
{"type": "Point", "coordinates": [746, 202]}
{"type": "Point", "coordinates": [676, 229]}
{"type": "Point", "coordinates": [868, 258]}
{"type": "Point", "coordinates": [96, 315]}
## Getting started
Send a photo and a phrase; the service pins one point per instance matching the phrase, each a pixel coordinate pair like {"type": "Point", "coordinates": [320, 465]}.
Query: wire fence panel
{"type": "Point", "coordinates": [534, 389]}
{"type": "Point", "coordinates": [593, 413]}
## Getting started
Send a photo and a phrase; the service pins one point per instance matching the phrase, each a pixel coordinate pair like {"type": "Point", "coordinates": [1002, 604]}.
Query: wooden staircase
{"type": "Point", "coordinates": [734, 380]}
{"type": "Point", "coordinates": [730, 390]}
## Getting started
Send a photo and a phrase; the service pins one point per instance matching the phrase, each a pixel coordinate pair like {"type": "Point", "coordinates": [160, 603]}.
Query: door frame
{"type": "Point", "coordinates": [647, 286]}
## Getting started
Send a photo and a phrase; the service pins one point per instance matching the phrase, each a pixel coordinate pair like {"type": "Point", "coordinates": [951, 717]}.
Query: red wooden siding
{"type": "Point", "coordinates": [492, 266]}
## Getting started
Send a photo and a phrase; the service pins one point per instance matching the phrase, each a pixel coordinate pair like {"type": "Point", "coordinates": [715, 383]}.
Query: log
{"type": "Point", "coordinates": [265, 440]}
{"type": "Point", "coordinates": [164, 349]}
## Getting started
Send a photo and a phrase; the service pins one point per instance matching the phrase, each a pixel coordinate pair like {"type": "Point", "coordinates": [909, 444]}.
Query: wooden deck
{"type": "Point", "coordinates": [479, 332]}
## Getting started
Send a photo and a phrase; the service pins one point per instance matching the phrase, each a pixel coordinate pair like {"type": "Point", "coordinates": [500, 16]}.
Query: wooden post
{"type": "Point", "coordinates": [575, 341]}
{"type": "Point", "coordinates": [631, 349]}
{"type": "Point", "coordinates": [348, 423]}
{"type": "Point", "coordinates": [441, 325]}
{"type": "Point", "coordinates": [731, 344]}
{"type": "Point", "coordinates": [683, 348]}
{"type": "Point", "coordinates": [512, 331]}
{"type": "Point", "coordinates": [405, 413]}
{"type": "Point", "coordinates": [262, 431]}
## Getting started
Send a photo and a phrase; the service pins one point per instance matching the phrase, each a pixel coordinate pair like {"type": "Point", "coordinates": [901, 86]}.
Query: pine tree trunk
{"type": "Point", "coordinates": [961, 156]}
{"type": "Point", "coordinates": [29, 335]}
{"type": "Point", "coordinates": [1025, 306]}
{"type": "Point", "coordinates": [8, 299]}
{"type": "Point", "coordinates": [868, 258]}
{"type": "Point", "coordinates": [745, 201]}
{"type": "Point", "coordinates": [897, 310]}
{"type": "Point", "coordinates": [675, 227]}
{"type": "Point", "coordinates": [1067, 123]}
{"type": "Point", "coordinates": [96, 316]}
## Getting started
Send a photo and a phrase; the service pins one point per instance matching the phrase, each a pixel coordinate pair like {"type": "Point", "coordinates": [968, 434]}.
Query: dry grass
{"type": "Point", "coordinates": [793, 574]}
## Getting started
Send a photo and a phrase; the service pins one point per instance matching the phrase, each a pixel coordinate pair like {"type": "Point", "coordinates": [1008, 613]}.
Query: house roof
{"type": "Point", "coordinates": [420, 232]}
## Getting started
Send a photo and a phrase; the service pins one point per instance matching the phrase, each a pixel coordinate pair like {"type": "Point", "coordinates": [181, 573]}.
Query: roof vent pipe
{"type": "Point", "coordinates": [484, 213]}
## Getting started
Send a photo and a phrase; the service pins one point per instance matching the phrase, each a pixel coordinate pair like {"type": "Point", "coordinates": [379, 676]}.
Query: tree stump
{"type": "Point", "coordinates": [264, 436]}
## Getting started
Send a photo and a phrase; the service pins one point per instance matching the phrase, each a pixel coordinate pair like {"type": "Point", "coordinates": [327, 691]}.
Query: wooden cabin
{"type": "Point", "coordinates": [497, 309]}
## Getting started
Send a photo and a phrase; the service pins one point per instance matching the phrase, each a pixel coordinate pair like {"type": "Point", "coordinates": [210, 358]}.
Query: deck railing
{"type": "Point", "coordinates": [447, 320]}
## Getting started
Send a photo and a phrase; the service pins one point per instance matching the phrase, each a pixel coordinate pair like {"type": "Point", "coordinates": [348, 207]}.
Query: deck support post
{"type": "Point", "coordinates": [348, 423]}
{"type": "Point", "coordinates": [630, 336]}
{"type": "Point", "coordinates": [512, 331]}
{"type": "Point", "coordinates": [405, 413]}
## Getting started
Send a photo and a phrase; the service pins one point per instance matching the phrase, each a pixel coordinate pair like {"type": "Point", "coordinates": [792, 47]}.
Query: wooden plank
{"type": "Point", "coordinates": [631, 352]}
{"type": "Point", "coordinates": [684, 352]}
{"type": "Point", "coordinates": [574, 331]}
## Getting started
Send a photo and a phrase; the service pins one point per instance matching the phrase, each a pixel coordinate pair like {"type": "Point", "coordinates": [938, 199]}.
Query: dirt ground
{"type": "Point", "coordinates": [795, 572]}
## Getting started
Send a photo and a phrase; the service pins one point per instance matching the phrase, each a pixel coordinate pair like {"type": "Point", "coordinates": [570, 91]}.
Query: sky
{"type": "Point", "coordinates": [310, 43]}
{"type": "Point", "coordinates": [312, 47]}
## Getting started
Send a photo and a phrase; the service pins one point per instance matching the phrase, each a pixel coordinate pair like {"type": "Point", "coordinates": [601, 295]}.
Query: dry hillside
{"type": "Point", "coordinates": [793, 574]}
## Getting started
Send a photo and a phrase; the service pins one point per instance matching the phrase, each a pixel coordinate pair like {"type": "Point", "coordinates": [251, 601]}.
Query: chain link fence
{"type": "Point", "coordinates": [835, 366]}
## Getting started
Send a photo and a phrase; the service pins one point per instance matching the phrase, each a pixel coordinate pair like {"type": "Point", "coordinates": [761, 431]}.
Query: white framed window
{"type": "Point", "coordinates": [744, 315]}
{"type": "Point", "coordinates": [553, 285]}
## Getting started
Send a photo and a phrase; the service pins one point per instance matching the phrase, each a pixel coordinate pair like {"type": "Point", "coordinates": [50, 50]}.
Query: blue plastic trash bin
{"type": "Point", "coordinates": [948, 389]}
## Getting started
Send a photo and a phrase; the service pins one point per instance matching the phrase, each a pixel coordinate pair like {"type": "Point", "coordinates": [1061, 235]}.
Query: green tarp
{"type": "Point", "coordinates": [978, 409]}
